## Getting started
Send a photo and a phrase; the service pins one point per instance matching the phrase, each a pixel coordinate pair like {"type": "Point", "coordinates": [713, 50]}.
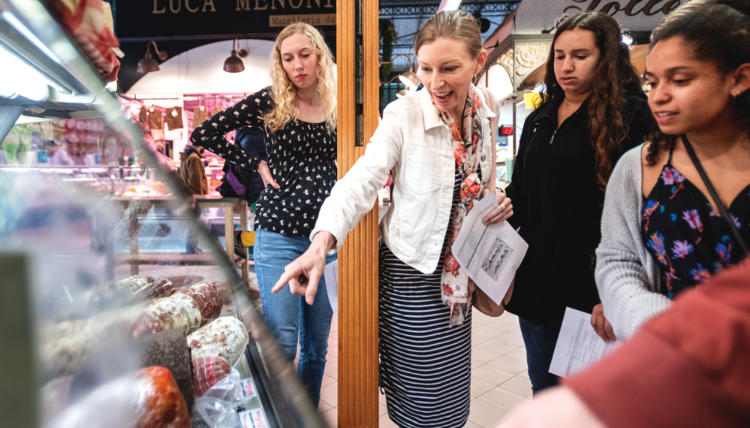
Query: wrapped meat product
{"type": "Point", "coordinates": [224, 337]}
{"type": "Point", "coordinates": [133, 283]}
{"type": "Point", "coordinates": [163, 405]}
{"type": "Point", "coordinates": [65, 346]}
{"type": "Point", "coordinates": [161, 287]}
{"type": "Point", "coordinates": [148, 398]}
{"type": "Point", "coordinates": [176, 311]}
{"type": "Point", "coordinates": [169, 349]}
{"type": "Point", "coordinates": [207, 298]}
{"type": "Point", "coordinates": [138, 287]}
{"type": "Point", "coordinates": [207, 371]}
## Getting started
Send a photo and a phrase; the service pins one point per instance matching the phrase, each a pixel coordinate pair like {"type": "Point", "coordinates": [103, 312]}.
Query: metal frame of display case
{"type": "Point", "coordinates": [78, 91]}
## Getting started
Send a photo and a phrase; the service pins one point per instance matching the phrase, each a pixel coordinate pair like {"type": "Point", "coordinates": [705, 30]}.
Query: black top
{"type": "Point", "coordinates": [301, 157]}
{"type": "Point", "coordinates": [687, 236]}
{"type": "Point", "coordinates": [557, 203]}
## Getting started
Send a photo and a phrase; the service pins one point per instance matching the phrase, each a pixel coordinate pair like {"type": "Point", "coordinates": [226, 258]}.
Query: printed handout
{"type": "Point", "coordinates": [578, 346]}
{"type": "Point", "coordinates": [489, 254]}
{"type": "Point", "coordinates": [331, 276]}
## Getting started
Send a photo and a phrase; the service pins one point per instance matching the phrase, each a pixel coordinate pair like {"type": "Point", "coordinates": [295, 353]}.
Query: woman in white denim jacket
{"type": "Point", "coordinates": [438, 143]}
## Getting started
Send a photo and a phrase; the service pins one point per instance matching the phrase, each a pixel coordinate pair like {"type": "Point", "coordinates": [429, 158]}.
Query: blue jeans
{"type": "Point", "coordinates": [539, 341]}
{"type": "Point", "coordinates": [288, 317]}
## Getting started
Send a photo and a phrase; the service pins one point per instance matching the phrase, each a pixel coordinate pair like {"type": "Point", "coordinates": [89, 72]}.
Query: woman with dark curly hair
{"type": "Point", "coordinates": [593, 110]}
{"type": "Point", "coordinates": [662, 230]}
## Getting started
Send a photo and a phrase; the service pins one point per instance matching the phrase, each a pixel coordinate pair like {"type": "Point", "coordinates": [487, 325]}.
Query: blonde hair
{"type": "Point", "coordinates": [457, 24]}
{"type": "Point", "coordinates": [284, 91]}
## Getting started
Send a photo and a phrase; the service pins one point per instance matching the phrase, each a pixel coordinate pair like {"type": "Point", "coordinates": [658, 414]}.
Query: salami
{"type": "Point", "coordinates": [159, 288]}
{"type": "Point", "coordinates": [206, 372]}
{"type": "Point", "coordinates": [65, 346]}
{"type": "Point", "coordinates": [224, 337]}
{"type": "Point", "coordinates": [206, 296]}
{"type": "Point", "coordinates": [162, 405]}
{"type": "Point", "coordinates": [133, 283]}
{"type": "Point", "coordinates": [176, 311]}
{"type": "Point", "coordinates": [169, 349]}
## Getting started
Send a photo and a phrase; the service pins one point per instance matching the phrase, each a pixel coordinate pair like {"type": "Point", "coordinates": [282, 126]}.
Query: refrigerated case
{"type": "Point", "coordinates": [78, 329]}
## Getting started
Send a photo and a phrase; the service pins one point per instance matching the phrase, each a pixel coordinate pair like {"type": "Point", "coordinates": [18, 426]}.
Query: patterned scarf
{"type": "Point", "coordinates": [467, 149]}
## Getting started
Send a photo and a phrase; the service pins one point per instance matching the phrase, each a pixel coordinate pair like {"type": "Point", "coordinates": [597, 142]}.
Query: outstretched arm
{"type": "Point", "coordinates": [303, 274]}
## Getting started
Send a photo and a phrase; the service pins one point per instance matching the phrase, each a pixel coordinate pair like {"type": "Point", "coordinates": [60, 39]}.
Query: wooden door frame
{"type": "Point", "coordinates": [358, 259]}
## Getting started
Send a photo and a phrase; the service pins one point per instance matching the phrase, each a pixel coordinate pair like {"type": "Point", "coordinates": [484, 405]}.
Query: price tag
{"type": "Point", "coordinates": [254, 418]}
{"type": "Point", "coordinates": [247, 390]}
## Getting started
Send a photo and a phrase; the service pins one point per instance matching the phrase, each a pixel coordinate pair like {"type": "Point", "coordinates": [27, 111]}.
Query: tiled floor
{"type": "Point", "coordinates": [498, 380]}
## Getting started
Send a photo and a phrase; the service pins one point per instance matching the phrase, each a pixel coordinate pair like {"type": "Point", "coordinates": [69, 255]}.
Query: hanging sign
{"type": "Point", "coordinates": [534, 16]}
{"type": "Point", "coordinates": [170, 18]}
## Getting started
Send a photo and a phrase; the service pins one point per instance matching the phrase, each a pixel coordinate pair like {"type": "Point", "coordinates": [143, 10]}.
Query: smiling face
{"type": "Point", "coordinates": [686, 94]}
{"type": "Point", "coordinates": [446, 68]}
{"type": "Point", "coordinates": [299, 61]}
{"type": "Point", "coordinates": [576, 57]}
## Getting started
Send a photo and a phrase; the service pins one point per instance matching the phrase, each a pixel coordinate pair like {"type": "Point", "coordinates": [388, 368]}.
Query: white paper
{"type": "Point", "coordinates": [489, 254]}
{"type": "Point", "coordinates": [578, 346]}
{"type": "Point", "coordinates": [331, 277]}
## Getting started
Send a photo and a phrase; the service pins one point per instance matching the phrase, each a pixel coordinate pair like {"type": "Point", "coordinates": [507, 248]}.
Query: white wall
{"type": "Point", "coordinates": [200, 70]}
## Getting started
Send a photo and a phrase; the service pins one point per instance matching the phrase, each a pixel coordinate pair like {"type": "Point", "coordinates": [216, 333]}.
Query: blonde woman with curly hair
{"type": "Point", "coordinates": [298, 113]}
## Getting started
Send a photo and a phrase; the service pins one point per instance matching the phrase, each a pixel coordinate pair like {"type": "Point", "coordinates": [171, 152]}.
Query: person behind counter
{"type": "Point", "coordinates": [662, 230]}
{"type": "Point", "coordinates": [438, 143]}
{"type": "Point", "coordinates": [298, 113]}
{"type": "Point", "coordinates": [192, 171]}
{"type": "Point", "coordinates": [593, 110]}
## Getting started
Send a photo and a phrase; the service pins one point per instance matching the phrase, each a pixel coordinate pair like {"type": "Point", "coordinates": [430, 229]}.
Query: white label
{"type": "Point", "coordinates": [254, 418]}
{"type": "Point", "coordinates": [247, 390]}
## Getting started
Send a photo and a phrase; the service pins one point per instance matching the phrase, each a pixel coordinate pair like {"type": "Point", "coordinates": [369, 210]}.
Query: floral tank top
{"type": "Point", "coordinates": [688, 236]}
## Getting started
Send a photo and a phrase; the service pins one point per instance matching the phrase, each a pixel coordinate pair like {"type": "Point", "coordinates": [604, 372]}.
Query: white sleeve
{"type": "Point", "coordinates": [355, 194]}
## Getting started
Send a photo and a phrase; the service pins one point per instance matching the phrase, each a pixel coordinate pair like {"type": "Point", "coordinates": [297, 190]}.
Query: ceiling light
{"type": "Point", "coordinates": [449, 5]}
{"type": "Point", "coordinates": [148, 63]}
{"type": "Point", "coordinates": [627, 37]}
{"type": "Point", "coordinates": [234, 64]}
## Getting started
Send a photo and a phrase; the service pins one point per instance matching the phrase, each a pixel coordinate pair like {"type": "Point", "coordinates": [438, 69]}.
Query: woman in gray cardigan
{"type": "Point", "coordinates": [626, 274]}
{"type": "Point", "coordinates": [699, 74]}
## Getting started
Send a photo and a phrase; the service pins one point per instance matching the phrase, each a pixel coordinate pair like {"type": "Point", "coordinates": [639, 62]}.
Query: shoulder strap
{"type": "Point", "coordinates": [714, 195]}
{"type": "Point", "coordinates": [671, 152]}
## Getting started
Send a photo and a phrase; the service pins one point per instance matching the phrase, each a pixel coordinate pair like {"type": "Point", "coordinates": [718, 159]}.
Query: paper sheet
{"type": "Point", "coordinates": [578, 346]}
{"type": "Point", "coordinates": [331, 277]}
{"type": "Point", "coordinates": [489, 254]}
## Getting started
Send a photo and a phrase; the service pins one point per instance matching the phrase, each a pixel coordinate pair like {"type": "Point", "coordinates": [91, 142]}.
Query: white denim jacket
{"type": "Point", "coordinates": [415, 144]}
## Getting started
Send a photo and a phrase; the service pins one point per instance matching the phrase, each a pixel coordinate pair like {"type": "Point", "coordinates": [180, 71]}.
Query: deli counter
{"type": "Point", "coordinates": [86, 340]}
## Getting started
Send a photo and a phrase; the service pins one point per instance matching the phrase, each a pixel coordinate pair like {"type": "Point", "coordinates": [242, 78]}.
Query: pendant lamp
{"type": "Point", "coordinates": [234, 64]}
{"type": "Point", "coordinates": [148, 63]}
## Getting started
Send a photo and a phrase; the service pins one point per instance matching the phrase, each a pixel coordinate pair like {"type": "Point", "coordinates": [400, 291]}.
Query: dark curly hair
{"type": "Point", "coordinates": [718, 32]}
{"type": "Point", "coordinates": [614, 78]}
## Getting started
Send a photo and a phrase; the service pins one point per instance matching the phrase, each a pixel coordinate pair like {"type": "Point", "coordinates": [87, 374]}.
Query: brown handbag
{"type": "Point", "coordinates": [486, 305]}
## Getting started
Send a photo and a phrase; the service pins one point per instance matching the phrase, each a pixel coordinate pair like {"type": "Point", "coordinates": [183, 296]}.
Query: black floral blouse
{"type": "Point", "coordinates": [301, 157]}
{"type": "Point", "coordinates": [686, 234]}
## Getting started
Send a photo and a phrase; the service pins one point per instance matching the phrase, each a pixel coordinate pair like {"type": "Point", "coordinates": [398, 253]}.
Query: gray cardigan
{"type": "Point", "coordinates": [627, 276]}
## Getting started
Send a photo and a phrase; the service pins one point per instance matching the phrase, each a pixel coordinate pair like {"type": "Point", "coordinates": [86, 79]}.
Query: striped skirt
{"type": "Point", "coordinates": [425, 364]}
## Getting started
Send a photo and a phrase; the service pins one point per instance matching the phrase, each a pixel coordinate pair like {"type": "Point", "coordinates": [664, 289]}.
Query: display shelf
{"type": "Point", "coordinates": [91, 327]}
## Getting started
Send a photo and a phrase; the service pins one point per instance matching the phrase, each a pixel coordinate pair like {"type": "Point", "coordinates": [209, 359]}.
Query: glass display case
{"type": "Point", "coordinates": [118, 307]}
